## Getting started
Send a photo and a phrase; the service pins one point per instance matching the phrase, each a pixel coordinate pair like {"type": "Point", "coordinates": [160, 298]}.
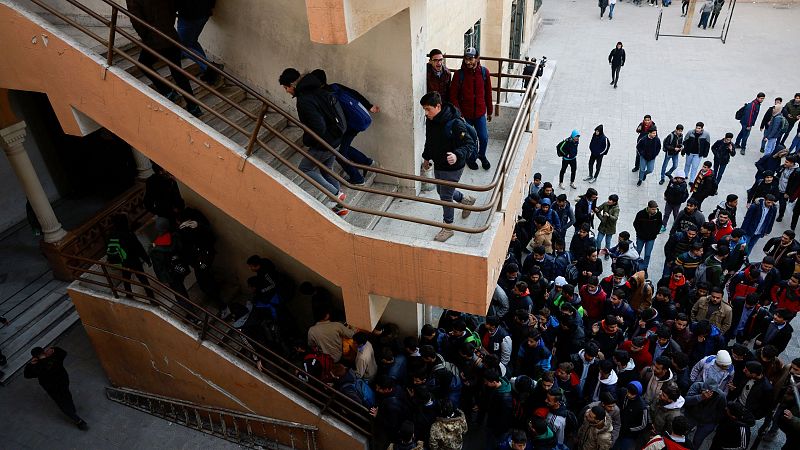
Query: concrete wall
{"type": "Point", "coordinates": [142, 348]}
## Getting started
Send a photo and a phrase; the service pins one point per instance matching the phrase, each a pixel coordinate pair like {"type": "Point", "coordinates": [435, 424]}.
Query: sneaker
{"type": "Point", "coordinates": [472, 165]}
{"type": "Point", "coordinates": [561, 186]}
{"type": "Point", "coordinates": [82, 425]}
{"type": "Point", "coordinates": [639, 183]}
{"type": "Point", "coordinates": [762, 150]}
{"type": "Point", "coordinates": [588, 178]}
{"type": "Point", "coordinates": [173, 96]}
{"type": "Point", "coordinates": [610, 83]}
{"type": "Point", "coordinates": [341, 212]}
{"type": "Point", "coordinates": [572, 185]}
{"type": "Point", "coordinates": [341, 196]}
{"type": "Point", "coordinates": [741, 152]}
{"type": "Point", "coordinates": [486, 164]}
{"type": "Point", "coordinates": [195, 111]}
{"type": "Point", "coordinates": [663, 229]}
{"type": "Point", "coordinates": [635, 169]}
{"type": "Point", "coordinates": [443, 235]}
{"type": "Point", "coordinates": [779, 219]}
{"type": "Point", "coordinates": [467, 200]}
{"type": "Point", "coordinates": [362, 182]}
{"type": "Point", "coordinates": [593, 180]}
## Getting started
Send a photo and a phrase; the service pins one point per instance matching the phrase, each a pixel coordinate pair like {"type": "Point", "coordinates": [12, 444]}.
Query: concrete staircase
{"type": "Point", "coordinates": [294, 134]}
{"type": "Point", "coordinates": [37, 314]}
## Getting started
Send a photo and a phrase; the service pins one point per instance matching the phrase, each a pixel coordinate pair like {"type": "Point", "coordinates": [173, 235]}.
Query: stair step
{"type": "Point", "coordinates": [272, 119]}
{"type": "Point", "coordinates": [8, 303]}
{"type": "Point", "coordinates": [236, 116]}
{"type": "Point", "coordinates": [371, 201]}
{"type": "Point", "coordinates": [234, 93]}
{"type": "Point", "coordinates": [18, 303]}
{"type": "Point", "coordinates": [293, 134]}
{"type": "Point", "coordinates": [35, 307]}
{"type": "Point", "coordinates": [59, 320]}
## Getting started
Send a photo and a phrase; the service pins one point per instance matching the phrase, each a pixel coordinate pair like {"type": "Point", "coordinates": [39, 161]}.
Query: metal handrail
{"type": "Point", "coordinates": [495, 185]}
{"type": "Point", "coordinates": [212, 328]}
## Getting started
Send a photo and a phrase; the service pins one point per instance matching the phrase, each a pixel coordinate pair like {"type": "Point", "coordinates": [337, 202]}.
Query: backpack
{"type": "Point", "coordinates": [115, 254]}
{"type": "Point", "coordinates": [740, 113]}
{"type": "Point", "coordinates": [358, 118]}
{"type": "Point", "coordinates": [784, 124]}
{"type": "Point", "coordinates": [571, 273]}
{"type": "Point", "coordinates": [318, 365]}
{"type": "Point", "coordinates": [335, 119]}
{"type": "Point", "coordinates": [701, 274]}
{"type": "Point", "coordinates": [363, 391]}
{"type": "Point", "coordinates": [558, 148]}
{"type": "Point", "coordinates": [484, 75]}
{"type": "Point", "coordinates": [472, 151]}
{"type": "Point", "coordinates": [447, 366]}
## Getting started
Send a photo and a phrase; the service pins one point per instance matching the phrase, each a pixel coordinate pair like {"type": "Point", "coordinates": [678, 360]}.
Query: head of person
{"type": "Point", "coordinates": [561, 200]}
{"type": "Point", "coordinates": [575, 135]}
{"type": "Point", "coordinates": [647, 120]}
{"type": "Point", "coordinates": [584, 230]}
{"type": "Point", "coordinates": [778, 101]}
{"type": "Point", "coordinates": [511, 271]}
{"type": "Point", "coordinates": [679, 130]}
{"type": "Point", "coordinates": [518, 440]}
{"type": "Point", "coordinates": [702, 288]}
{"type": "Point", "coordinates": [681, 322]}
{"type": "Point", "coordinates": [677, 273]}
{"type": "Point", "coordinates": [696, 248]}
{"type": "Point", "coordinates": [723, 217]}
{"type": "Point", "coordinates": [767, 264]}
{"type": "Point", "coordinates": [728, 138]}
{"type": "Point", "coordinates": [619, 44]}
{"type": "Point", "coordinates": [537, 178]}
{"type": "Point", "coordinates": [613, 199]}
{"type": "Point", "coordinates": [753, 370]}
{"type": "Point", "coordinates": [591, 194]}
{"type": "Point", "coordinates": [637, 344]}
{"type": "Point", "coordinates": [663, 335]}
{"type": "Point", "coordinates": [662, 366]}
{"type": "Point", "coordinates": [723, 360]}
{"type": "Point", "coordinates": [436, 59]}
{"type": "Point", "coordinates": [652, 132]}
{"type": "Point", "coordinates": [769, 176]}
{"type": "Point", "coordinates": [617, 297]}
{"type": "Point", "coordinates": [596, 416]}
{"type": "Point", "coordinates": [698, 127]}
{"type": "Point", "coordinates": [471, 57]}
{"type": "Point", "coordinates": [431, 104]}
{"type": "Point", "coordinates": [670, 392]}
{"type": "Point", "coordinates": [760, 97]}
{"type": "Point", "coordinates": [716, 295]}
{"type": "Point", "coordinates": [782, 316]}
{"type": "Point", "coordinates": [288, 79]}
{"type": "Point", "coordinates": [691, 205]}
{"type": "Point", "coordinates": [787, 237]}
{"type": "Point", "coordinates": [633, 389]}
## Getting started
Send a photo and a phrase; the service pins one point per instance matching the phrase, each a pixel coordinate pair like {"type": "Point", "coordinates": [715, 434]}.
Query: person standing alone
{"type": "Point", "coordinates": [447, 154]}
{"type": "Point", "coordinates": [747, 116]}
{"type": "Point", "coordinates": [598, 147]}
{"type": "Point", "coordinates": [471, 93]}
{"type": "Point", "coordinates": [568, 151]}
{"type": "Point", "coordinates": [616, 59]}
{"type": "Point", "coordinates": [47, 365]}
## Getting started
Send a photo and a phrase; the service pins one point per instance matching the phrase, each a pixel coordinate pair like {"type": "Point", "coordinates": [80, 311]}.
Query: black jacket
{"type": "Point", "coordinates": [723, 152]}
{"type": "Point", "coordinates": [647, 226]}
{"type": "Point", "coordinates": [437, 143]}
{"type": "Point", "coordinates": [684, 219]}
{"type": "Point", "coordinates": [648, 148]}
{"type": "Point", "coordinates": [617, 57]}
{"type": "Point", "coordinates": [759, 400]}
{"type": "Point", "coordinates": [760, 189]}
{"type": "Point", "coordinates": [673, 144]}
{"type": "Point", "coordinates": [162, 196]}
{"type": "Point", "coordinates": [196, 9]}
{"type": "Point", "coordinates": [136, 253]}
{"type": "Point", "coordinates": [694, 144]}
{"type": "Point", "coordinates": [315, 109]}
{"type": "Point", "coordinates": [161, 15]}
{"type": "Point", "coordinates": [583, 214]}
{"type": "Point", "coordinates": [50, 371]}
{"type": "Point", "coordinates": [675, 194]}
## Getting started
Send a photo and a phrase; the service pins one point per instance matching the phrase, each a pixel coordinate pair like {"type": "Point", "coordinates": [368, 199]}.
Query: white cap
{"type": "Point", "coordinates": [561, 281]}
{"type": "Point", "coordinates": [679, 174]}
{"type": "Point", "coordinates": [723, 358]}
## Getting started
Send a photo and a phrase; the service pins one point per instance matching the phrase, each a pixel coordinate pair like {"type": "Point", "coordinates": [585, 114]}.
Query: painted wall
{"type": "Point", "coordinates": [143, 349]}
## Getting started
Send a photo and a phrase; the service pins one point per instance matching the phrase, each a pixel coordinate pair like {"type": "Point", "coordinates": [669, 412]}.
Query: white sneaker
{"type": "Point", "coordinates": [560, 186]}
{"type": "Point", "coordinates": [467, 200]}
{"type": "Point", "coordinates": [572, 185]}
{"type": "Point", "coordinates": [443, 235]}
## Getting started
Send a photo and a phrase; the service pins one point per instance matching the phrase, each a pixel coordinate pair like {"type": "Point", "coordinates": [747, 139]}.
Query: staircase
{"type": "Point", "coordinates": [37, 314]}
{"type": "Point", "coordinates": [275, 120]}
{"type": "Point", "coordinates": [247, 430]}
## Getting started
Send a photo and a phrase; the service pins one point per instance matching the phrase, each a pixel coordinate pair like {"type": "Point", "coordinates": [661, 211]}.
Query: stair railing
{"type": "Point", "coordinates": [496, 186]}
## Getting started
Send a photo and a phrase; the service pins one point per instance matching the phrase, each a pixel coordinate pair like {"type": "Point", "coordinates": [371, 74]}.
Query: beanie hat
{"type": "Point", "coordinates": [636, 386]}
{"type": "Point", "coordinates": [679, 173]}
{"type": "Point", "coordinates": [560, 281]}
{"type": "Point", "coordinates": [574, 134]}
{"type": "Point", "coordinates": [723, 358]}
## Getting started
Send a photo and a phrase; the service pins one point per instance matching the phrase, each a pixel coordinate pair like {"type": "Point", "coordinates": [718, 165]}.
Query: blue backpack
{"type": "Point", "coordinates": [364, 392]}
{"type": "Point", "coordinates": [472, 151]}
{"type": "Point", "coordinates": [358, 118]}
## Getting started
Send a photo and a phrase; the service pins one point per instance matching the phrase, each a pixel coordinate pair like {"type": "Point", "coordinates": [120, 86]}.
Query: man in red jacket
{"type": "Point", "coordinates": [471, 93]}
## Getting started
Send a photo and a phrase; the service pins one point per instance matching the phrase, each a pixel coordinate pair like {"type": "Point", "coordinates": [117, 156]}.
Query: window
{"type": "Point", "coordinates": [517, 30]}
{"type": "Point", "coordinates": [472, 38]}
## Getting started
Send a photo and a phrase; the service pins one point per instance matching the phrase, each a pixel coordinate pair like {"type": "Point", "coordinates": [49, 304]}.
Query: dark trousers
{"type": "Point", "coordinates": [173, 54]}
{"type": "Point", "coordinates": [782, 201]}
{"type": "Point", "coordinates": [795, 213]}
{"type": "Point", "coordinates": [714, 17]}
{"type": "Point", "coordinates": [615, 74]}
{"type": "Point", "coordinates": [127, 275]}
{"type": "Point", "coordinates": [573, 165]}
{"type": "Point", "coordinates": [592, 160]}
{"type": "Point", "coordinates": [788, 131]}
{"type": "Point", "coordinates": [703, 20]}
{"type": "Point", "coordinates": [63, 399]}
{"type": "Point", "coordinates": [602, 10]}
{"type": "Point", "coordinates": [685, 7]}
{"type": "Point", "coordinates": [352, 154]}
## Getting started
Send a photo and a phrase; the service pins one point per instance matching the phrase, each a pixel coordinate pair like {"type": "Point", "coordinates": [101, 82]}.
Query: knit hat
{"type": "Point", "coordinates": [723, 358]}
{"type": "Point", "coordinates": [679, 173]}
{"type": "Point", "coordinates": [574, 134]}
{"type": "Point", "coordinates": [561, 281]}
{"type": "Point", "coordinates": [636, 386]}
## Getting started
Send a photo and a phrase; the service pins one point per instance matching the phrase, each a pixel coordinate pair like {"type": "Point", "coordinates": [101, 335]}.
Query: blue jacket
{"type": "Point", "coordinates": [753, 216]}
{"type": "Point", "coordinates": [551, 217]}
{"type": "Point", "coordinates": [773, 130]}
{"type": "Point", "coordinates": [750, 113]}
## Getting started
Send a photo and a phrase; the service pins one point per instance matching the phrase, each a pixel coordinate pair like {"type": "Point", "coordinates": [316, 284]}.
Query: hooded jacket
{"type": "Point", "coordinates": [438, 144]}
{"type": "Point", "coordinates": [700, 411]}
{"type": "Point", "coordinates": [471, 91]}
{"type": "Point", "coordinates": [676, 193]}
{"type": "Point", "coordinates": [600, 143]}
{"type": "Point", "coordinates": [707, 370]}
{"type": "Point", "coordinates": [448, 433]}
{"type": "Point", "coordinates": [733, 434]}
{"type": "Point", "coordinates": [595, 386]}
{"type": "Point", "coordinates": [696, 144]}
{"type": "Point", "coordinates": [652, 384]}
{"type": "Point", "coordinates": [544, 237]}
{"type": "Point", "coordinates": [313, 111]}
{"type": "Point", "coordinates": [567, 149]}
{"type": "Point", "coordinates": [662, 415]}
{"type": "Point", "coordinates": [617, 57]}
{"type": "Point", "coordinates": [774, 128]}
{"type": "Point", "coordinates": [593, 438]}
{"type": "Point", "coordinates": [635, 415]}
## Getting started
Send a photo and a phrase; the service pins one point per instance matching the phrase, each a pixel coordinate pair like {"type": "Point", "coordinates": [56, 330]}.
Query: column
{"type": "Point", "coordinates": [143, 165]}
{"type": "Point", "coordinates": [12, 139]}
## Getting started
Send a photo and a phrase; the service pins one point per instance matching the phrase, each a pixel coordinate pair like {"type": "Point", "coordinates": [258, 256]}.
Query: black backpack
{"type": "Point", "coordinates": [335, 119]}
{"type": "Point", "coordinates": [740, 112]}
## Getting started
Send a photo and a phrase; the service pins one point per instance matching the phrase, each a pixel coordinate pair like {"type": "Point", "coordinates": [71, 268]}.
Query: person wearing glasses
{"type": "Point", "coordinates": [438, 75]}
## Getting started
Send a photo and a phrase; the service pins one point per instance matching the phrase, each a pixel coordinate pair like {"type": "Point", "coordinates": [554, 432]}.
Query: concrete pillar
{"type": "Point", "coordinates": [143, 165]}
{"type": "Point", "coordinates": [12, 139]}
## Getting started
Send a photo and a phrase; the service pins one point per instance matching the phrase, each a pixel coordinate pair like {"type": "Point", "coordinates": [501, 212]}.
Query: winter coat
{"type": "Point", "coordinates": [136, 254]}
{"type": "Point", "coordinates": [759, 400]}
{"type": "Point", "coordinates": [161, 15]}
{"type": "Point", "coordinates": [707, 370]}
{"type": "Point", "coordinates": [791, 111]}
{"type": "Point", "coordinates": [648, 148]}
{"type": "Point", "coordinates": [583, 214]}
{"type": "Point", "coordinates": [750, 113]}
{"type": "Point", "coordinates": [50, 372]}
{"type": "Point", "coordinates": [595, 387]}
{"type": "Point", "coordinates": [646, 225]}
{"type": "Point", "coordinates": [652, 384]}
{"type": "Point", "coordinates": [761, 189]}
{"type": "Point", "coordinates": [567, 149]}
{"type": "Point", "coordinates": [635, 417]}
{"type": "Point", "coordinates": [676, 193]}
{"type": "Point", "coordinates": [721, 318]}
{"type": "Point", "coordinates": [196, 9]}
{"type": "Point", "coordinates": [704, 185]}
{"type": "Point", "coordinates": [780, 340]}
{"type": "Point", "coordinates": [700, 411]}
{"type": "Point", "coordinates": [696, 144]}
{"type": "Point", "coordinates": [753, 217]}
{"type": "Point", "coordinates": [672, 144]}
{"type": "Point", "coordinates": [733, 434]}
{"type": "Point", "coordinates": [437, 143]}
{"type": "Point", "coordinates": [599, 144]}
{"type": "Point", "coordinates": [723, 152]}
{"type": "Point", "coordinates": [439, 83]}
{"type": "Point", "coordinates": [723, 206]}
{"type": "Point", "coordinates": [684, 219]}
{"type": "Point", "coordinates": [662, 415]}
{"type": "Point", "coordinates": [617, 57]}
{"type": "Point", "coordinates": [566, 216]}
{"type": "Point", "coordinates": [544, 237]}
{"type": "Point", "coordinates": [592, 438]}
{"type": "Point", "coordinates": [608, 216]}
{"type": "Point", "coordinates": [313, 112]}
{"type": "Point", "coordinates": [769, 162]}
{"type": "Point", "coordinates": [448, 433]}
{"type": "Point", "coordinates": [774, 128]}
{"type": "Point", "coordinates": [499, 405]}
{"type": "Point", "coordinates": [471, 91]}
{"type": "Point", "coordinates": [162, 196]}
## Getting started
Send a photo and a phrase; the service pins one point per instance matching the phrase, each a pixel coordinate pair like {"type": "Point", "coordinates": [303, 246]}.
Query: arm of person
{"type": "Point", "coordinates": [361, 99]}
{"type": "Point", "coordinates": [487, 91]}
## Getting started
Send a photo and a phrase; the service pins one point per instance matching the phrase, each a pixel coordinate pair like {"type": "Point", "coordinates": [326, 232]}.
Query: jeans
{"type": "Point", "coordinates": [719, 169]}
{"type": "Point", "coordinates": [599, 161]}
{"type": "Point", "coordinates": [673, 159]}
{"type": "Point", "coordinates": [704, 20]}
{"type": "Point", "coordinates": [327, 181]}
{"type": "Point", "coordinates": [741, 138]}
{"type": "Point", "coordinates": [795, 143]}
{"type": "Point", "coordinates": [645, 167]}
{"type": "Point", "coordinates": [173, 54]}
{"type": "Point", "coordinates": [701, 433]}
{"type": "Point", "coordinates": [648, 249]}
{"type": "Point", "coordinates": [189, 31]}
{"type": "Point", "coordinates": [751, 241]}
{"type": "Point", "coordinates": [447, 193]}
{"type": "Point", "coordinates": [573, 165]}
{"type": "Point", "coordinates": [603, 237]}
{"type": "Point", "coordinates": [769, 147]}
{"type": "Point", "coordinates": [354, 155]}
{"type": "Point", "coordinates": [611, 12]}
{"type": "Point", "coordinates": [483, 133]}
{"type": "Point", "coordinates": [670, 209]}
{"type": "Point", "coordinates": [690, 166]}
{"type": "Point", "coordinates": [615, 74]}
{"type": "Point", "coordinates": [788, 131]}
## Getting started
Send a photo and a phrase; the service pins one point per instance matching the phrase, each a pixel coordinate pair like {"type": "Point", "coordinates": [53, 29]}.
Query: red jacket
{"type": "Point", "coordinates": [592, 303]}
{"type": "Point", "coordinates": [471, 92]}
{"type": "Point", "coordinates": [642, 358]}
{"type": "Point", "coordinates": [719, 233]}
{"type": "Point", "coordinates": [786, 297]}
